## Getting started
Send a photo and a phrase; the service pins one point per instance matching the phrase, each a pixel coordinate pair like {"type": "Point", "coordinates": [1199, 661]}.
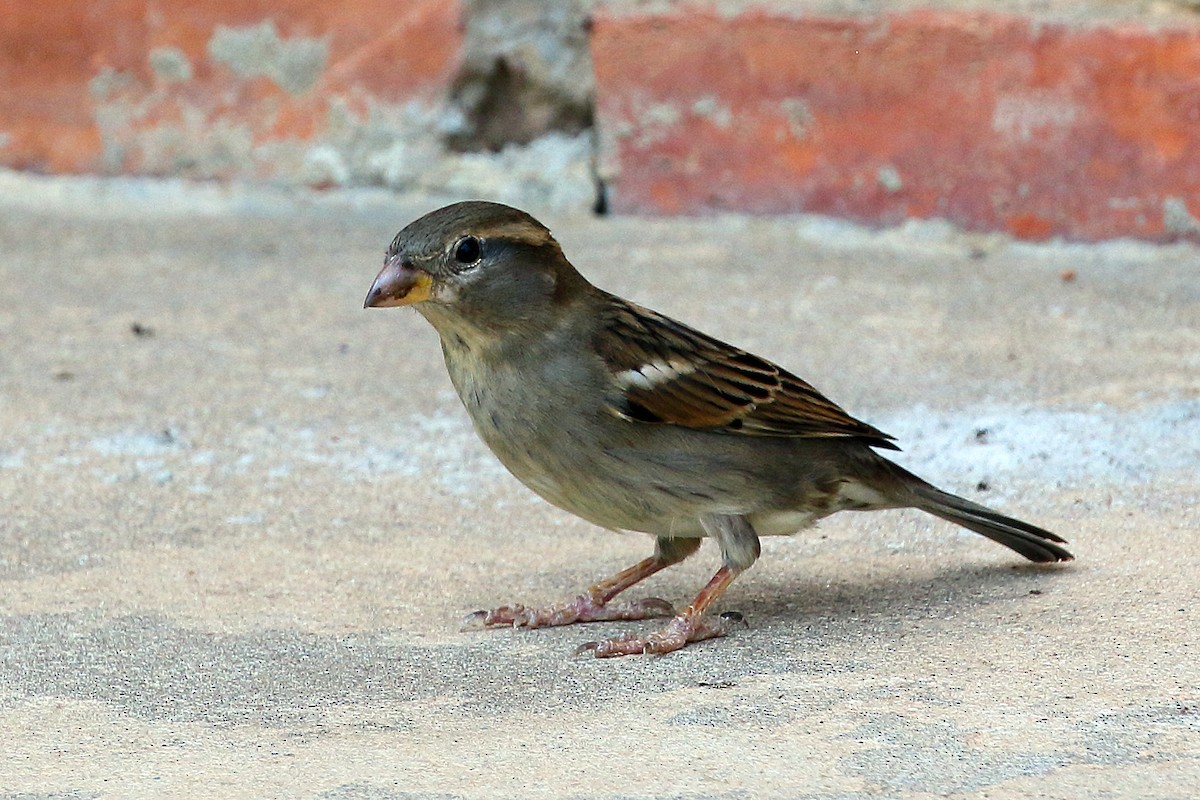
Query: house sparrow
{"type": "Point", "coordinates": [634, 421]}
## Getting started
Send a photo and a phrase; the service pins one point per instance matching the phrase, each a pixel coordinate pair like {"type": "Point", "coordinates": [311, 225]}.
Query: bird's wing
{"type": "Point", "coordinates": [668, 373]}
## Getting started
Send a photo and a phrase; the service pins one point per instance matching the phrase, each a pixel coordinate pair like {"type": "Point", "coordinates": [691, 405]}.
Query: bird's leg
{"type": "Point", "coordinates": [593, 605]}
{"type": "Point", "coordinates": [739, 548]}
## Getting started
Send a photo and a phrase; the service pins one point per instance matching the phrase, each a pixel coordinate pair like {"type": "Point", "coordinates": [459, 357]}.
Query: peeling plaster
{"type": "Point", "coordinates": [889, 178]}
{"type": "Point", "coordinates": [258, 51]}
{"type": "Point", "coordinates": [798, 114]}
{"type": "Point", "coordinates": [170, 64]}
{"type": "Point", "coordinates": [1177, 218]}
{"type": "Point", "coordinates": [1021, 115]}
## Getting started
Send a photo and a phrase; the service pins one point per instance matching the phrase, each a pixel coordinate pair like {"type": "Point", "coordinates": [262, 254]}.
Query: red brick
{"type": "Point", "coordinates": [48, 52]}
{"type": "Point", "coordinates": [379, 50]}
{"type": "Point", "coordinates": [991, 121]}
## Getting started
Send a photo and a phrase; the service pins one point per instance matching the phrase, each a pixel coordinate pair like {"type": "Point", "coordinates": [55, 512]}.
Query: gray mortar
{"type": "Point", "coordinates": [1177, 218]}
{"type": "Point", "coordinates": [889, 178]}
{"type": "Point", "coordinates": [170, 64]}
{"type": "Point", "coordinates": [527, 71]}
{"type": "Point", "coordinates": [294, 64]}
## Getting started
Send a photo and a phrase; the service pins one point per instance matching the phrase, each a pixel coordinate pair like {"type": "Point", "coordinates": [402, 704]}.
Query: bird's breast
{"type": "Point", "coordinates": [551, 431]}
{"type": "Point", "coordinates": [549, 426]}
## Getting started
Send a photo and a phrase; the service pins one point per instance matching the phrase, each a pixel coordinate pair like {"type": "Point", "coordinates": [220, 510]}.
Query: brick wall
{"type": "Point", "coordinates": [1084, 128]}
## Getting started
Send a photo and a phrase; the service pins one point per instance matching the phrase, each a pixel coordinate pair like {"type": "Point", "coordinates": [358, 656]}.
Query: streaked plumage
{"type": "Point", "coordinates": [633, 420]}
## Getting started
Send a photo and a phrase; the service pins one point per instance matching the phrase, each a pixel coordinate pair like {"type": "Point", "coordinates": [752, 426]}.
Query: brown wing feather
{"type": "Point", "coordinates": [667, 372]}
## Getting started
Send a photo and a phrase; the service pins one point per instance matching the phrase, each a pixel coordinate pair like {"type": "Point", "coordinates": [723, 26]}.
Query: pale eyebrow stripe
{"type": "Point", "coordinates": [516, 232]}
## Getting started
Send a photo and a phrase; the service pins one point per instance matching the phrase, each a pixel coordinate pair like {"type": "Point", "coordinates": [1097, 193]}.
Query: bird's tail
{"type": "Point", "coordinates": [1036, 544]}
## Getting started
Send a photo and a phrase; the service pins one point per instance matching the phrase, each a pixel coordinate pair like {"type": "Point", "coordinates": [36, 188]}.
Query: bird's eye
{"type": "Point", "coordinates": [468, 250]}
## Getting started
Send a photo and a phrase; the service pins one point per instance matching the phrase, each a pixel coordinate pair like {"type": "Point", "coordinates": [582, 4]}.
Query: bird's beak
{"type": "Point", "coordinates": [399, 283]}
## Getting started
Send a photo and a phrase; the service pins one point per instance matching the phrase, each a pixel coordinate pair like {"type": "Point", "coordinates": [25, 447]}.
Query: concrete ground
{"type": "Point", "coordinates": [242, 518]}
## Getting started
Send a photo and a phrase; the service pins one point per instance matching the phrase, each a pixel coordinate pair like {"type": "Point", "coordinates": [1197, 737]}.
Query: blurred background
{"type": "Point", "coordinates": [1040, 118]}
{"type": "Point", "coordinates": [241, 517]}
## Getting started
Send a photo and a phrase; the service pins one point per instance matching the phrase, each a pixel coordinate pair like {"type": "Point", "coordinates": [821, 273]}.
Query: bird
{"type": "Point", "coordinates": [634, 421]}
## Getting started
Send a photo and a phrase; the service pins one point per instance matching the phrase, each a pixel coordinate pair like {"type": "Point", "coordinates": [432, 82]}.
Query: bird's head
{"type": "Point", "coordinates": [476, 263]}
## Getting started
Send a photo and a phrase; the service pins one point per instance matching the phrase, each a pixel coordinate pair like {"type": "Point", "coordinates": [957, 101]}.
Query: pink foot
{"type": "Point", "coordinates": [583, 608]}
{"type": "Point", "coordinates": [679, 632]}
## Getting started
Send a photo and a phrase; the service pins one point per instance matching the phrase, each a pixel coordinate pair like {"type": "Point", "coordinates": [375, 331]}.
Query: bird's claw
{"type": "Point", "coordinates": [680, 631]}
{"type": "Point", "coordinates": [478, 620]}
{"type": "Point", "coordinates": [583, 608]}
